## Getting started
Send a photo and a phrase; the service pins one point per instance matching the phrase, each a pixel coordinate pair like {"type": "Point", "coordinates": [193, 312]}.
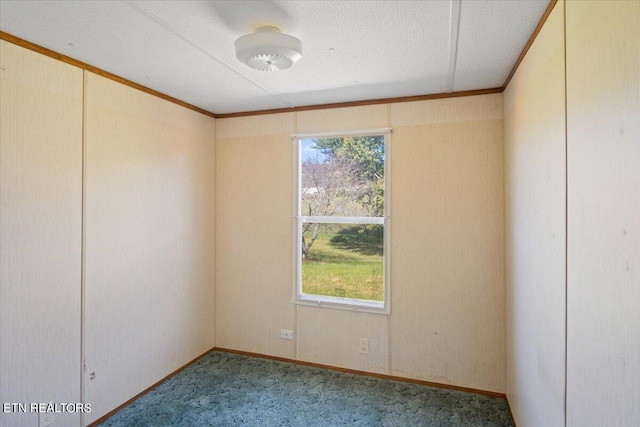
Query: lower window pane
{"type": "Point", "coordinates": [343, 260]}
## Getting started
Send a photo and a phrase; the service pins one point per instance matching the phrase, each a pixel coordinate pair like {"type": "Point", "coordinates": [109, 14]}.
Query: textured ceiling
{"type": "Point", "coordinates": [382, 49]}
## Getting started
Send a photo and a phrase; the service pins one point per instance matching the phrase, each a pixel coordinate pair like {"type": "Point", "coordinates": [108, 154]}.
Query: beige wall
{"type": "Point", "coordinates": [149, 240]}
{"type": "Point", "coordinates": [40, 232]}
{"type": "Point", "coordinates": [145, 305]}
{"type": "Point", "coordinates": [447, 322]}
{"type": "Point", "coordinates": [447, 307]}
{"type": "Point", "coordinates": [535, 196]}
{"type": "Point", "coordinates": [254, 185]}
{"type": "Point", "coordinates": [603, 137]}
{"type": "Point", "coordinates": [602, 223]}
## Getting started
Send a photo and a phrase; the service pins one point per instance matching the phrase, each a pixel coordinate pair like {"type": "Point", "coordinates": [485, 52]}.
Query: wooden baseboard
{"type": "Point", "coordinates": [148, 389]}
{"type": "Point", "coordinates": [365, 373]}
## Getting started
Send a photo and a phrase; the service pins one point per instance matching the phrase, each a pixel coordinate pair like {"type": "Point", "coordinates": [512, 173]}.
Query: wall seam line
{"type": "Point", "coordinates": [295, 252]}
{"type": "Point", "coordinates": [83, 243]}
{"type": "Point", "coordinates": [388, 318]}
{"type": "Point", "coordinates": [215, 232]}
{"type": "Point", "coordinates": [566, 215]}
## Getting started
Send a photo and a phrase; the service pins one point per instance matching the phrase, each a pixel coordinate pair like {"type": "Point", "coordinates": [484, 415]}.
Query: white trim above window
{"type": "Point", "coordinates": [334, 301]}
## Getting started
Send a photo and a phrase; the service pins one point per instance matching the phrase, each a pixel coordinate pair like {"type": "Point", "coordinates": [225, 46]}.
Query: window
{"type": "Point", "coordinates": [342, 220]}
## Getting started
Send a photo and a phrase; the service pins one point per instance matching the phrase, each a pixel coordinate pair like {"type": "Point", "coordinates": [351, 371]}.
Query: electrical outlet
{"type": "Point", "coordinates": [364, 346]}
{"type": "Point", "coordinates": [45, 418]}
{"type": "Point", "coordinates": [286, 334]}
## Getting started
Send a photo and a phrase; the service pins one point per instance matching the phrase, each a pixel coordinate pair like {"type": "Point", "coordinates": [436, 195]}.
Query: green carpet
{"type": "Point", "coordinates": [225, 389]}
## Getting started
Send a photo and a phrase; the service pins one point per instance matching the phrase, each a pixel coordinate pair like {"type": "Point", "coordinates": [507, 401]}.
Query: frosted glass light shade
{"type": "Point", "coordinates": [268, 49]}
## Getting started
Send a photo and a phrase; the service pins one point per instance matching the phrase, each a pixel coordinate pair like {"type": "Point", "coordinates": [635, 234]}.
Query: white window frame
{"type": "Point", "coordinates": [340, 303]}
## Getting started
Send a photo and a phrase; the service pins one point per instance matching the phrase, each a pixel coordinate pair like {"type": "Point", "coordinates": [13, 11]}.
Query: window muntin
{"type": "Point", "coordinates": [342, 211]}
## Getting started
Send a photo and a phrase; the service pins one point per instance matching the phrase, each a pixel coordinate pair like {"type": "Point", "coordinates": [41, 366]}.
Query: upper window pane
{"type": "Point", "coordinates": [342, 177]}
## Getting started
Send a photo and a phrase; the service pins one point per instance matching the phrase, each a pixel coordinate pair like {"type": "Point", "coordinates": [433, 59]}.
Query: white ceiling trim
{"type": "Point", "coordinates": [168, 27]}
{"type": "Point", "coordinates": [454, 25]}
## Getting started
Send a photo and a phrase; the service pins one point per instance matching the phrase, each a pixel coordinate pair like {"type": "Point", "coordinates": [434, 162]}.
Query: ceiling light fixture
{"type": "Point", "coordinates": [268, 49]}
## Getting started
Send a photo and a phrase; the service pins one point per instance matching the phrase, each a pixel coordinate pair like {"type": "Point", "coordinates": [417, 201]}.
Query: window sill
{"type": "Point", "coordinates": [337, 303]}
